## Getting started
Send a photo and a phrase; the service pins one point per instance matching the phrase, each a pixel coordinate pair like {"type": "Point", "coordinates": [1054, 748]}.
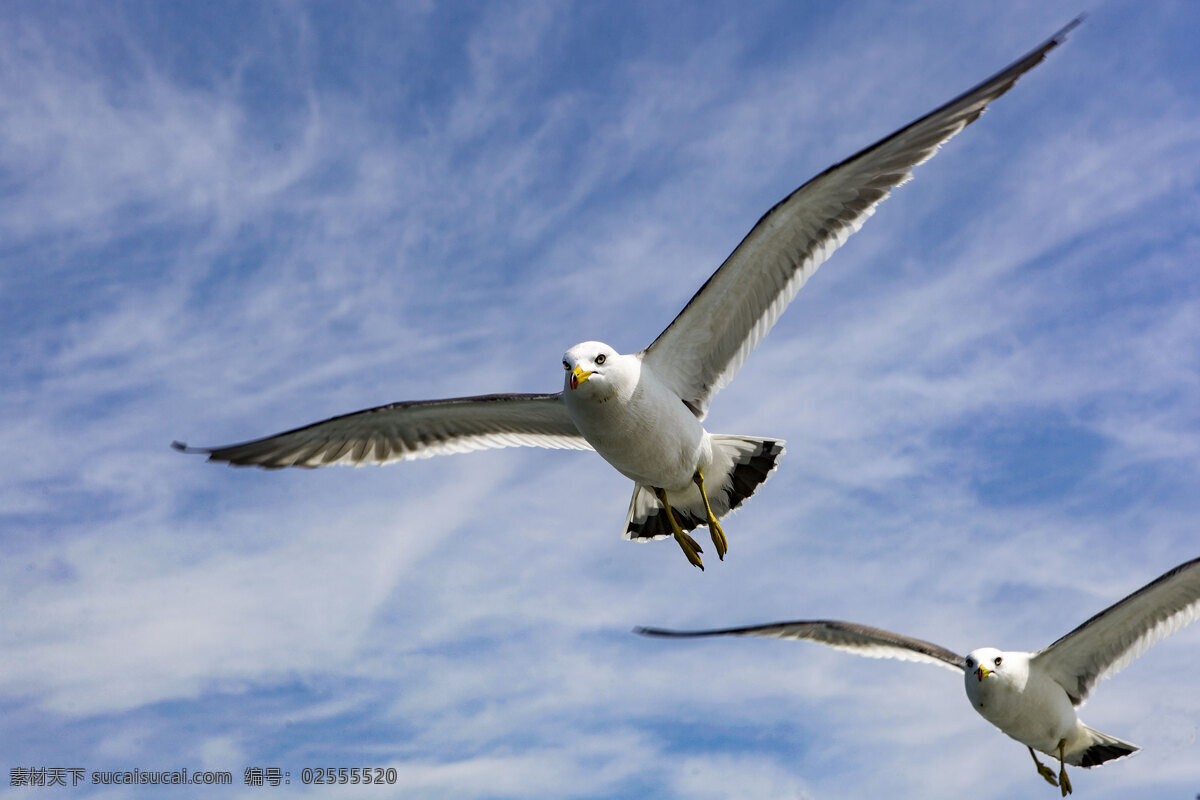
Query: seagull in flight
{"type": "Point", "coordinates": [1032, 697]}
{"type": "Point", "coordinates": [642, 412]}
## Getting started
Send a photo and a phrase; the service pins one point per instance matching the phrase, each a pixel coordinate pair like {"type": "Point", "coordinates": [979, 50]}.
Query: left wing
{"type": "Point", "coordinates": [408, 430]}
{"type": "Point", "coordinates": [703, 348]}
{"type": "Point", "coordinates": [1109, 641]}
{"type": "Point", "coordinates": [861, 640]}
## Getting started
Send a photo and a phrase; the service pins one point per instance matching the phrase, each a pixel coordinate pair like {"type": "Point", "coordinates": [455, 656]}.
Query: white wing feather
{"type": "Point", "coordinates": [1110, 640]}
{"type": "Point", "coordinates": [851, 637]}
{"type": "Point", "coordinates": [405, 431]}
{"type": "Point", "coordinates": [706, 344]}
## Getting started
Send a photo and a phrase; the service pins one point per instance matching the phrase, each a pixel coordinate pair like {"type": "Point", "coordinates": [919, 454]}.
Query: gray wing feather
{"type": "Point", "coordinates": [706, 344]}
{"type": "Point", "coordinates": [1109, 641]}
{"type": "Point", "coordinates": [403, 431]}
{"type": "Point", "coordinates": [861, 640]}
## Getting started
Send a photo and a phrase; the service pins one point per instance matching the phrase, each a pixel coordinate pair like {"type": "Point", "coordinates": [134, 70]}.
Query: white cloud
{"type": "Point", "coordinates": [466, 620]}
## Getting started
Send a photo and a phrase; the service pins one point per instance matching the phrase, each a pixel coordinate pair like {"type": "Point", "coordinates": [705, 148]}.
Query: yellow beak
{"type": "Point", "coordinates": [982, 672]}
{"type": "Point", "coordinates": [578, 376]}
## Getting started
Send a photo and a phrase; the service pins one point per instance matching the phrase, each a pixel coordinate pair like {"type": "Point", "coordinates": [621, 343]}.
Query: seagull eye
{"type": "Point", "coordinates": [600, 359]}
{"type": "Point", "coordinates": [566, 366]}
{"type": "Point", "coordinates": [998, 660]}
{"type": "Point", "coordinates": [970, 663]}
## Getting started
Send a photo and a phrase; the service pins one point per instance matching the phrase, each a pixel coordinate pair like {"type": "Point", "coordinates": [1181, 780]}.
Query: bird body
{"type": "Point", "coordinates": [638, 423]}
{"type": "Point", "coordinates": [633, 419]}
{"type": "Point", "coordinates": [1027, 704]}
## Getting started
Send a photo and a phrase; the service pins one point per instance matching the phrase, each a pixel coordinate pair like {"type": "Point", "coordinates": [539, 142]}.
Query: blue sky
{"type": "Point", "coordinates": [218, 221]}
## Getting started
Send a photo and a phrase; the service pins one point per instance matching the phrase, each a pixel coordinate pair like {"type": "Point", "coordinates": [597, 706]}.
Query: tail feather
{"type": "Point", "coordinates": [1099, 749]}
{"type": "Point", "coordinates": [748, 476]}
{"type": "Point", "coordinates": [740, 465]}
{"type": "Point", "coordinates": [647, 519]}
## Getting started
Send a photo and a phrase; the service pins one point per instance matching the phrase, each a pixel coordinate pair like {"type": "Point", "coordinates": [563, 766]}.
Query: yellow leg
{"type": "Point", "coordinates": [1064, 782]}
{"type": "Point", "coordinates": [690, 547]}
{"type": "Point", "coordinates": [1043, 770]}
{"type": "Point", "coordinates": [714, 527]}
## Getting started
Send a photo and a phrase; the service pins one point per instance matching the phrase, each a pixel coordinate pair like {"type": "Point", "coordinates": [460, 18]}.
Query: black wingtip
{"type": "Point", "coordinates": [1061, 35]}
{"type": "Point", "coordinates": [183, 448]}
{"type": "Point", "coordinates": [664, 633]}
{"type": "Point", "coordinates": [640, 631]}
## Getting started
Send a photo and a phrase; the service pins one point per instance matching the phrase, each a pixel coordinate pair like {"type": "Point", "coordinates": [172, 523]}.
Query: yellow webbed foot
{"type": "Point", "coordinates": [1064, 783]}
{"type": "Point", "coordinates": [1043, 770]}
{"type": "Point", "coordinates": [689, 546]}
{"type": "Point", "coordinates": [714, 527]}
{"type": "Point", "coordinates": [691, 549]}
{"type": "Point", "coordinates": [718, 537]}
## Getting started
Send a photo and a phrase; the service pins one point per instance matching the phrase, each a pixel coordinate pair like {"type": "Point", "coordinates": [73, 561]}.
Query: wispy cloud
{"type": "Point", "coordinates": [216, 228]}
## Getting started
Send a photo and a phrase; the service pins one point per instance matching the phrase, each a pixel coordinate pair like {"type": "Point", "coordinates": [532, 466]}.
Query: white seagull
{"type": "Point", "coordinates": [1029, 696]}
{"type": "Point", "coordinates": [642, 411]}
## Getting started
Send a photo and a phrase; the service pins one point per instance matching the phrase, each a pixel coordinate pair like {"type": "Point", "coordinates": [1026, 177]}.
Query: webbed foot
{"type": "Point", "coordinates": [714, 527]}
{"type": "Point", "coordinates": [1064, 783]}
{"type": "Point", "coordinates": [689, 546]}
{"type": "Point", "coordinates": [1043, 770]}
{"type": "Point", "coordinates": [691, 549]}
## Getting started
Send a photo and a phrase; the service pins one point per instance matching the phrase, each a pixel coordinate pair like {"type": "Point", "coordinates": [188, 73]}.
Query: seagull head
{"type": "Point", "coordinates": [588, 361]}
{"type": "Point", "coordinates": [995, 680]}
{"type": "Point", "coordinates": [984, 663]}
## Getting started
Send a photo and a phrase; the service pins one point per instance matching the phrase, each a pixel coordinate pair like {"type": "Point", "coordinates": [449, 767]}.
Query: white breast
{"type": "Point", "coordinates": [639, 425]}
{"type": "Point", "coordinates": [1027, 705]}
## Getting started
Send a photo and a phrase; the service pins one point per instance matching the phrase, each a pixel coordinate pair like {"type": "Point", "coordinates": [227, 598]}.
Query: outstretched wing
{"type": "Point", "coordinates": [703, 348]}
{"type": "Point", "coordinates": [402, 431]}
{"type": "Point", "coordinates": [1109, 641]}
{"type": "Point", "coordinates": [862, 640]}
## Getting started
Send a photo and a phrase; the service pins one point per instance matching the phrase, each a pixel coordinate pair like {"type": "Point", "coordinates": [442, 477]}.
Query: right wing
{"type": "Point", "coordinates": [404, 431]}
{"type": "Point", "coordinates": [1110, 640]}
{"type": "Point", "coordinates": [861, 640]}
{"type": "Point", "coordinates": [703, 348]}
